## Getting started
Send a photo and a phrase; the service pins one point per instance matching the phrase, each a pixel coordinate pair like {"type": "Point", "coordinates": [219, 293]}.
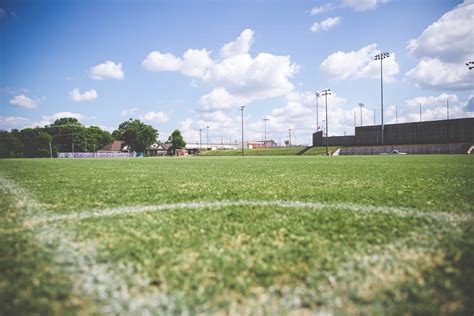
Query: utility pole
{"type": "Point", "coordinates": [355, 120]}
{"type": "Point", "coordinates": [317, 94]}
{"type": "Point", "coordinates": [361, 105]}
{"type": "Point", "coordinates": [325, 93]}
{"type": "Point", "coordinates": [242, 109]}
{"type": "Point", "coordinates": [207, 136]}
{"type": "Point", "coordinates": [420, 112]}
{"type": "Point", "coordinates": [381, 57]}
{"type": "Point", "coordinates": [396, 114]}
{"type": "Point", "coordinates": [265, 123]}
{"type": "Point", "coordinates": [447, 107]}
{"type": "Point", "coordinates": [50, 150]}
{"type": "Point", "coordinates": [289, 135]}
{"type": "Point", "coordinates": [200, 139]}
{"type": "Point", "coordinates": [73, 142]}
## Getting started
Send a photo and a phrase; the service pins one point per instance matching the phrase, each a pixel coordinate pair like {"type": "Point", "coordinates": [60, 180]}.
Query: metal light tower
{"type": "Point", "coordinates": [265, 123]}
{"type": "Point", "coordinates": [325, 93]}
{"type": "Point", "coordinates": [317, 94]}
{"type": "Point", "coordinates": [207, 136]}
{"type": "Point", "coordinates": [396, 114]}
{"type": "Point", "coordinates": [361, 105]}
{"type": "Point", "coordinates": [381, 57]}
{"type": "Point", "coordinates": [447, 108]}
{"type": "Point", "coordinates": [289, 135]}
{"type": "Point", "coordinates": [420, 112]}
{"type": "Point", "coordinates": [242, 110]}
{"type": "Point", "coordinates": [200, 138]}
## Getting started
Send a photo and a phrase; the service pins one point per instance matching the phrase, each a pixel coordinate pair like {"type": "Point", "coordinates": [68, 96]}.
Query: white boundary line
{"type": "Point", "coordinates": [110, 212]}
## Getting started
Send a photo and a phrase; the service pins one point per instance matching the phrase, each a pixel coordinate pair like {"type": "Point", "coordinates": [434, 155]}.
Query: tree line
{"type": "Point", "coordinates": [69, 135]}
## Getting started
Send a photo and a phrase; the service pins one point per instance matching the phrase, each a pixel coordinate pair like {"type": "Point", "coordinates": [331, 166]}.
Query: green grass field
{"type": "Point", "coordinates": [284, 151]}
{"type": "Point", "coordinates": [237, 235]}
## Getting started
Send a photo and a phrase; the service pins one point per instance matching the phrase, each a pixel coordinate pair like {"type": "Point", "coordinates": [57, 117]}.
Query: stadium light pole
{"type": "Point", "coordinates": [325, 93]}
{"type": "Point", "coordinates": [420, 112]}
{"type": "Point", "coordinates": [396, 114]}
{"type": "Point", "coordinates": [317, 94]}
{"type": "Point", "coordinates": [242, 110]}
{"type": "Point", "coordinates": [50, 150]}
{"type": "Point", "coordinates": [361, 105]}
{"type": "Point", "coordinates": [200, 138]}
{"type": "Point", "coordinates": [381, 57]}
{"type": "Point", "coordinates": [265, 123]}
{"type": "Point", "coordinates": [470, 65]}
{"type": "Point", "coordinates": [447, 108]}
{"type": "Point", "coordinates": [207, 137]}
{"type": "Point", "coordinates": [355, 120]}
{"type": "Point", "coordinates": [289, 135]}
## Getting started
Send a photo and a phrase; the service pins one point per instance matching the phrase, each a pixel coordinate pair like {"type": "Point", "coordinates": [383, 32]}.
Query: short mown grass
{"type": "Point", "coordinates": [250, 260]}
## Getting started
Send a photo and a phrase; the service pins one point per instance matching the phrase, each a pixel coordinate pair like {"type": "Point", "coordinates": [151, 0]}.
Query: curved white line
{"type": "Point", "coordinates": [109, 212]}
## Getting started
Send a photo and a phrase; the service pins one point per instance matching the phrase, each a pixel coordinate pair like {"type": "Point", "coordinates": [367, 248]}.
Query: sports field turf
{"type": "Point", "coordinates": [237, 235]}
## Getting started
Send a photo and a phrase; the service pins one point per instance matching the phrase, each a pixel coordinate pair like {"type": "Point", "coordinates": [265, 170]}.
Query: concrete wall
{"type": "Point", "coordinates": [458, 148]}
{"type": "Point", "coordinates": [430, 132]}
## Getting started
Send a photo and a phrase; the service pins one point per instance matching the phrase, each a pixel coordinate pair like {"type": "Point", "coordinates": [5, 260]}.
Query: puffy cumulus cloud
{"type": "Point", "coordinates": [24, 102]}
{"type": "Point", "coordinates": [299, 113]}
{"type": "Point", "coordinates": [107, 70]}
{"type": "Point", "coordinates": [360, 64]}
{"type": "Point", "coordinates": [432, 100]}
{"type": "Point", "coordinates": [436, 74]}
{"type": "Point", "coordinates": [326, 24]}
{"type": "Point", "coordinates": [241, 45]}
{"type": "Point", "coordinates": [321, 9]}
{"type": "Point", "coordinates": [443, 48]}
{"type": "Point", "coordinates": [450, 38]}
{"type": "Point", "coordinates": [49, 119]}
{"type": "Point", "coordinates": [220, 99]}
{"type": "Point", "coordinates": [159, 117]}
{"type": "Point", "coordinates": [264, 76]}
{"type": "Point", "coordinates": [362, 5]}
{"type": "Point", "coordinates": [7, 122]}
{"type": "Point", "coordinates": [194, 62]}
{"type": "Point", "coordinates": [89, 95]}
{"type": "Point", "coordinates": [237, 78]}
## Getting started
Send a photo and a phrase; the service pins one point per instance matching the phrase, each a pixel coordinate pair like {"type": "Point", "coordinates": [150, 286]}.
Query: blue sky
{"type": "Point", "coordinates": [191, 64]}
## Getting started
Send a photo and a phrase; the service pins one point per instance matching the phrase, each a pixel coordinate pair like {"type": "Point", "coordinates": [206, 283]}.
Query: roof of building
{"type": "Point", "coordinates": [115, 146]}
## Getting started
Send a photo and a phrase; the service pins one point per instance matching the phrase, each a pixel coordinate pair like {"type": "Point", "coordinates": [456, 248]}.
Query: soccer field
{"type": "Point", "coordinates": [237, 235]}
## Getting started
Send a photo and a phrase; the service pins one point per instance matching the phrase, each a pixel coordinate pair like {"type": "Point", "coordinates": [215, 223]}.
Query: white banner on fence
{"type": "Point", "coordinates": [95, 155]}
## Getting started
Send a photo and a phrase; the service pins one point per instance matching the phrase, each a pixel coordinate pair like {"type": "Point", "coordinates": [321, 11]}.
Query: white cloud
{"type": "Point", "coordinates": [432, 100]}
{"type": "Point", "coordinates": [360, 64]}
{"type": "Point", "coordinates": [321, 9]}
{"type": "Point", "coordinates": [236, 79]}
{"type": "Point", "coordinates": [443, 48]}
{"type": "Point", "coordinates": [326, 24]}
{"type": "Point", "coordinates": [194, 62]}
{"type": "Point", "coordinates": [241, 45]}
{"type": "Point", "coordinates": [129, 112]}
{"type": "Point", "coordinates": [49, 119]}
{"type": "Point", "coordinates": [264, 76]}
{"type": "Point", "coordinates": [24, 102]}
{"type": "Point", "coordinates": [159, 117]}
{"type": "Point", "coordinates": [433, 73]}
{"type": "Point", "coordinates": [362, 5]}
{"type": "Point", "coordinates": [12, 122]}
{"type": "Point", "coordinates": [107, 70]}
{"type": "Point", "coordinates": [220, 99]}
{"type": "Point", "coordinates": [89, 95]}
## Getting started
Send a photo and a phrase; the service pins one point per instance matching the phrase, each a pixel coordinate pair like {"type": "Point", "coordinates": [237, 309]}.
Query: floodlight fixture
{"type": "Point", "coordinates": [325, 93]}
{"type": "Point", "coordinates": [381, 57]}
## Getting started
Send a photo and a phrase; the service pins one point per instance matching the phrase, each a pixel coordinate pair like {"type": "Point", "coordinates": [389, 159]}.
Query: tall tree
{"type": "Point", "coordinates": [176, 140]}
{"type": "Point", "coordinates": [137, 135]}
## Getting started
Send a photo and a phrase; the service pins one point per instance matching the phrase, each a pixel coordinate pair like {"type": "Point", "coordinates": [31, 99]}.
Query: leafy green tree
{"type": "Point", "coordinates": [35, 142]}
{"type": "Point", "coordinates": [10, 144]}
{"type": "Point", "coordinates": [137, 135]}
{"type": "Point", "coordinates": [176, 140]}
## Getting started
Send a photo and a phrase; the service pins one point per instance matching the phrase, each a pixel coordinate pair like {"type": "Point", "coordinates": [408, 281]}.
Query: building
{"type": "Point", "coordinates": [117, 146]}
{"type": "Point", "coordinates": [261, 144]}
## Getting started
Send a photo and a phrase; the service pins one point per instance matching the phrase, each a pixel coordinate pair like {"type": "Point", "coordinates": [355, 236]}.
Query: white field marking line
{"type": "Point", "coordinates": [110, 212]}
{"type": "Point", "coordinates": [115, 294]}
